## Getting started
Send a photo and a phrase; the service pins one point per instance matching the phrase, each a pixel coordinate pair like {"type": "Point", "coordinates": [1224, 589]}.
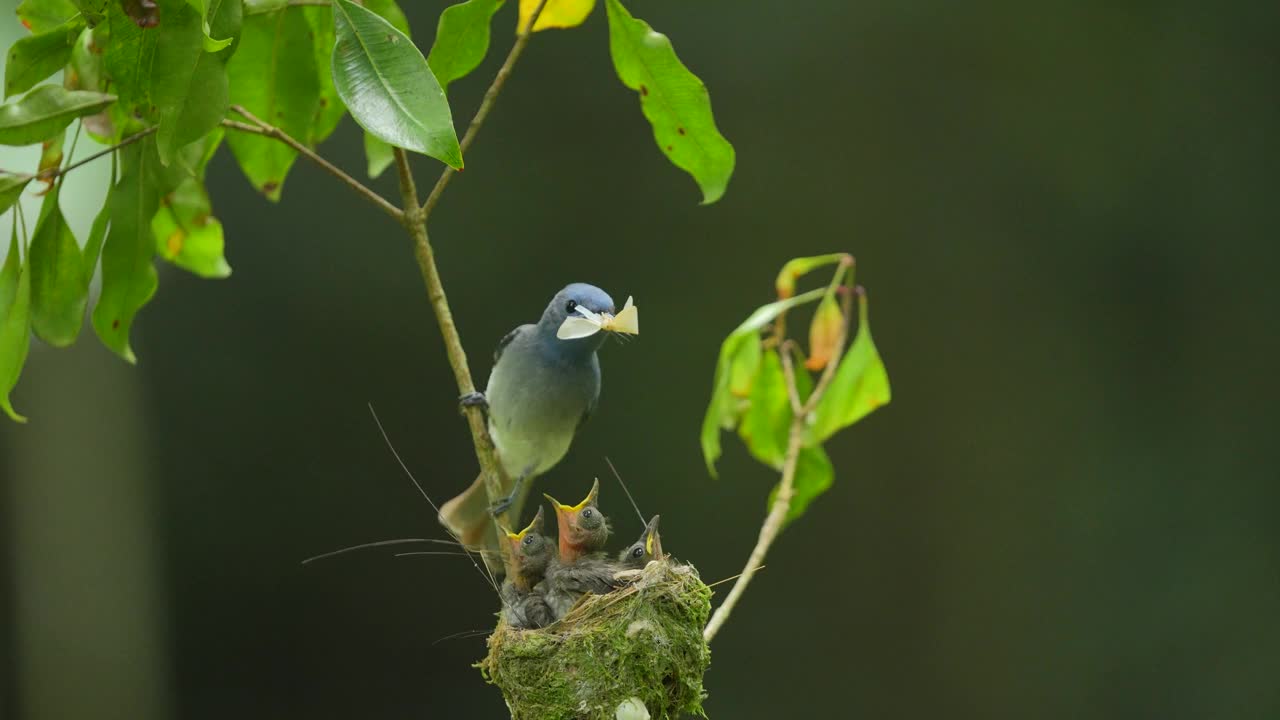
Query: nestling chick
{"type": "Point", "coordinates": [524, 604]}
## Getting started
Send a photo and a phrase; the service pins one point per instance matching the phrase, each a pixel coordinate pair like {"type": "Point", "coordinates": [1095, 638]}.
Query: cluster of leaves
{"type": "Point", "coordinates": [751, 392]}
{"type": "Point", "coordinates": [163, 82]}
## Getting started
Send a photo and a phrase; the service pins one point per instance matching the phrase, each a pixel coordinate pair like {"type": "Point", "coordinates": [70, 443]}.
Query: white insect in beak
{"type": "Point", "coordinates": [627, 321]}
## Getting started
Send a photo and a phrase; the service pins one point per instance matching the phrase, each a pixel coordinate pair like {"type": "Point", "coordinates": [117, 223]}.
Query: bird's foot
{"type": "Point", "coordinates": [474, 399]}
{"type": "Point", "coordinates": [502, 505]}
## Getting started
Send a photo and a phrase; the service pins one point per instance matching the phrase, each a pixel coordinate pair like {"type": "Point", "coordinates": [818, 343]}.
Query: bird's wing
{"type": "Point", "coordinates": [505, 341]}
{"type": "Point", "coordinates": [586, 414]}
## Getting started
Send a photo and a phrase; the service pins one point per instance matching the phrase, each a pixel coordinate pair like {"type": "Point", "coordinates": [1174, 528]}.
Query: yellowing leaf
{"type": "Point", "coordinates": [824, 333]}
{"type": "Point", "coordinates": [859, 386]}
{"type": "Point", "coordinates": [556, 14]}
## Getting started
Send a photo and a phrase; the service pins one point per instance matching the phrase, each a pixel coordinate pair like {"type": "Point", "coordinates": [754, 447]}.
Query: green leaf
{"type": "Point", "coordinates": [673, 99]}
{"type": "Point", "coordinates": [44, 111]}
{"type": "Point", "coordinates": [11, 187]}
{"type": "Point", "coordinates": [128, 276]}
{"type": "Point", "coordinates": [32, 59]}
{"type": "Point", "coordinates": [210, 43]}
{"type": "Point", "coordinates": [262, 7]}
{"type": "Point", "coordinates": [859, 385]}
{"type": "Point", "coordinates": [86, 71]}
{"type": "Point", "coordinates": [15, 323]}
{"type": "Point", "coordinates": [735, 354]}
{"type": "Point", "coordinates": [93, 11]}
{"type": "Point", "coordinates": [814, 475]}
{"type": "Point", "coordinates": [187, 235]}
{"type": "Point", "coordinates": [462, 39]}
{"type": "Point", "coordinates": [767, 421]}
{"type": "Point", "coordinates": [388, 86]}
{"type": "Point", "coordinates": [128, 58]}
{"type": "Point", "coordinates": [93, 246]}
{"type": "Point", "coordinates": [41, 16]}
{"type": "Point", "coordinates": [188, 85]}
{"type": "Point", "coordinates": [329, 108]}
{"type": "Point", "coordinates": [388, 10]}
{"type": "Point", "coordinates": [378, 155]}
{"type": "Point", "coordinates": [273, 75]}
{"type": "Point", "coordinates": [58, 294]}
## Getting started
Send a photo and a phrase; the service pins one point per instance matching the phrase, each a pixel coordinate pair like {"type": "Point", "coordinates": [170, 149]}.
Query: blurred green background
{"type": "Point", "coordinates": [1065, 213]}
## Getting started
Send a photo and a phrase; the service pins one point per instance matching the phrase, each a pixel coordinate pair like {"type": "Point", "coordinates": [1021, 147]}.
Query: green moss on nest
{"type": "Point", "coordinates": [643, 641]}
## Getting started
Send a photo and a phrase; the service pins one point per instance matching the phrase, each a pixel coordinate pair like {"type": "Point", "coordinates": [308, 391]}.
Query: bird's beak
{"type": "Point", "coordinates": [652, 540]}
{"type": "Point", "coordinates": [590, 499]}
{"type": "Point", "coordinates": [535, 526]}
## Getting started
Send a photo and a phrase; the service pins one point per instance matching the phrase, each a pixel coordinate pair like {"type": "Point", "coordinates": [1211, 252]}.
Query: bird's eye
{"type": "Point", "coordinates": [573, 305]}
{"type": "Point", "coordinates": [587, 513]}
{"type": "Point", "coordinates": [638, 552]}
{"type": "Point", "coordinates": [528, 540]}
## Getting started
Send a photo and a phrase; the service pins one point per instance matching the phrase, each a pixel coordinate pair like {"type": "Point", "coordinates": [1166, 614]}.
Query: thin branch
{"type": "Point", "coordinates": [52, 173]}
{"type": "Point", "coordinates": [261, 128]}
{"type": "Point", "coordinates": [490, 97]}
{"type": "Point", "coordinates": [415, 222]}
{"type": "Point", "coordinates": [773, 521]}
{"type": "Point", "coordinates": [777, 516]}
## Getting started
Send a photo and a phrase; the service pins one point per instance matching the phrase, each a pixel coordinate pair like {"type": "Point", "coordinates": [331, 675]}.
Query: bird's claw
{"type": "Point", "coordinates": [501, 506]}
{"type": "Point", "coordinates": [474, 399]}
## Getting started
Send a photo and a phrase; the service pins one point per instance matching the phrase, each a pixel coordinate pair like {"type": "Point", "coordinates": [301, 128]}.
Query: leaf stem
{"type": "Point", "coordinates": [490, 97]}
{"type": "Point", "coordinates": [261, 128]}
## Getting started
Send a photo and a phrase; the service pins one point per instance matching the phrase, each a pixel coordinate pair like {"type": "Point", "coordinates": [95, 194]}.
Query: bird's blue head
{"type": "Point", "coordinates": [565, 304]}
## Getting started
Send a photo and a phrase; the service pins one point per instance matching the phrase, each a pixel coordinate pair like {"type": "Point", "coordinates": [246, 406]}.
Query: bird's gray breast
{"type": "Point", "coordinates": [537, 396]}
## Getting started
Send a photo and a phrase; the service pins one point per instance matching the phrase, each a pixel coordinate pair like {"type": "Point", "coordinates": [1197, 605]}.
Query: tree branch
{"type": "Point", "coordinates": [777, 512]}
{"type": "Point", "coordinates": [53, 173]}
{"type": "Point", "coordinates": [777, 516]}
{"type": "Point", "coordinates": [261, 128]}
{"type": "Point", "coordinates": [415, 222]}
{"type": "Point", "coordinates": [490, 97]}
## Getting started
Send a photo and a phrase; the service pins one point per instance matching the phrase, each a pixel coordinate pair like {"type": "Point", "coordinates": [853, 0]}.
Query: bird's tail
{"type": "Point", "coordinates": [468, 517]}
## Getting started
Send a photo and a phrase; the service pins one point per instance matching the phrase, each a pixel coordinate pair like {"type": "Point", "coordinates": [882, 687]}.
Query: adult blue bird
{"type": "Point", "coordinates": [540, 392]}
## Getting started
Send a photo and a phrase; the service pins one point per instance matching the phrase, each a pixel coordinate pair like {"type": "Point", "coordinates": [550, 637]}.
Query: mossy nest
{"type": "Point", "coordinates": [641, 641]}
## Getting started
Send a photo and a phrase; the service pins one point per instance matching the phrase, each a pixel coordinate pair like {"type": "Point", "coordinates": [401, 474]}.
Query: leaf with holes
{"type": "Point", "coordinates": [32, 59]}
{"type": "Point", "coordinates": [273, 75]}
{"type": "Point", "coordinates": [462, 39]}
{"type": "Point", "coordinates": [48, 109]}
{"type": "Point", "coordinates": [673, 99]}
{"type": "Point", "coordinates": [388, 86]}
